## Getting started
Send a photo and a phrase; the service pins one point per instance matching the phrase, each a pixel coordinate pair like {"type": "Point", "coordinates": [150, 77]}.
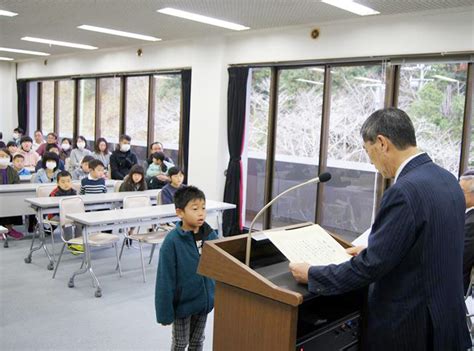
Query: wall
{"type": "Point", "coordinates": [430, 32]}
{"type": "Point", "coordinates": [8, 102]}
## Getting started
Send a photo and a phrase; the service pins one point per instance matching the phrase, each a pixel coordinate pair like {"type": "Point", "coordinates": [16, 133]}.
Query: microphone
{"type": "Point", "coordinates": [323, 177]}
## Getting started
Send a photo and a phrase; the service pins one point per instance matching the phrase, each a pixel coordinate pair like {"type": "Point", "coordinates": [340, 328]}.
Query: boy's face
{"type": "Point", "coordinates": [194, 214]}
{"type": "Point", "coordinates": [18, 163]}
{"type": "Point", "coordinates": [177, 180]}
{"type": "Point", "coordinates": [65, 183]}
{"type": "Point", "coordinates": [85, 167]}
{"type": "Point", "coordinates": [97, 173]}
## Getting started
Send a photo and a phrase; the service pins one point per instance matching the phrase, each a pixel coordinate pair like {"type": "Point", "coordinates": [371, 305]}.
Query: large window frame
{"type": "Point", "coordinates": [123, 103]}
{"type": "Point", "coordinates": [392, 84]}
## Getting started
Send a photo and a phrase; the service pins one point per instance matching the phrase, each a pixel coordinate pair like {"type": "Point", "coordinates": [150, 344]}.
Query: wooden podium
{"type": "Point", "coordinates": [251, 312]}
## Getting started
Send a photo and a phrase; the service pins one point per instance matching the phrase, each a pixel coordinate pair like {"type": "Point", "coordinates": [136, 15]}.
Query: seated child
{"type": "Point", "coordinates": [182, 296]}
{"type": "Point", "coordinates": [55, 150]}
{"type": "Point", "coordinates": [176, 182]}
{"type": "Point", "coordinates": [94, 183]}
{"type": "Point", "coordinates": [135, 180]}
{"type": "Point", "coordinates": [157, 172]}
{"type": "Point", "coordinates": [19, 165]}
{"type": "Point", "coordinates": [83, 171]}
{"type": "Point", "coordinates": [12, 147]}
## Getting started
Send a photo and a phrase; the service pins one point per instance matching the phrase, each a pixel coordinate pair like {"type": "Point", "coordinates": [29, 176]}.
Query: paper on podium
{"type": "Point", "coordinates": [311, 244]}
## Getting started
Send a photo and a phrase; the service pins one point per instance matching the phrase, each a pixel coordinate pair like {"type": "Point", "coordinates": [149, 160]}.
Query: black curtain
{"type": "Point", "coordinates": [236, 107]}
{"type": "Point", "coordinates": [22, 91]}
{"type": "Point", "coordinates": [186, 109]}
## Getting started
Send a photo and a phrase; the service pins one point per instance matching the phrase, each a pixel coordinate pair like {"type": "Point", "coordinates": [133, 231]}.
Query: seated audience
{"type": "Point", "coordinates": [122, 159]}
{"type": "Point", "coordinates": [31, 157]}
{"type": "Point", "coordinates": [51, 138]}
{"type": "Point", "coordinates": [157, 172]}
{"type": "Point", "coordinates": [94, 183]}
{"type": "Point", "coordinates": [49, 170]}
{"type": "Point", "coordinates": [2, 143]}
{"type": "Point", "coordinates": [9, 176]}
{"type": "Point", "coordinates": [19, 165]}
{"type": "Point", "coordinates": [176, 182]}
{"type": "Point", "coordinates": [12, 147]}
{"type": "Point", "coordinates": [39, 139]}
{"type": "Point", "coordinates": [135, 180]}
{"type": "Point", "coordinates": [17, 135]}
{"type": "Point", "coordinates": [157, 147]}
{"type": "Point", "coordinates": [78, 153]}
{"type": "Point", "coordinates": [83, 171]}
{"type": "Point", "coordinates": [101, 152]}
{"type": "Point", "coordinates": [54, 149]}
{"type": "Point", "coordinates": [66, 148]}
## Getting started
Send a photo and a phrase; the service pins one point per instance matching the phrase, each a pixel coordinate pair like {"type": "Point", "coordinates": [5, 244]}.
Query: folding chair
{"type": "Point", "coordinates": [76, 205]}
{"type": "Point", "coordinates": [117, 185]}
{"type": "Point", "coordinates": [166, 227]}
{"type": "Point", "coordinates": [153, 237]}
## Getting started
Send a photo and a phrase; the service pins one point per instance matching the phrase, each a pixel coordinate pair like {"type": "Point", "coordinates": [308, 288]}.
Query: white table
{"type": "Point", "coordinates": [93, 222]}
{"type": "Point", "coordinates": [12, 197]}
{"type": "Point", "coordinates": [43, 206]}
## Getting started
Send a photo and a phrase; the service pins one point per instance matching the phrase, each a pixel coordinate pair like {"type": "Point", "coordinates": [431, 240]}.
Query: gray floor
{"type": "Point", "coordinates": [39, 313]}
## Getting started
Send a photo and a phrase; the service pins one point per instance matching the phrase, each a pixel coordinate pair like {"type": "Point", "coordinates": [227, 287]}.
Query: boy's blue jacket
{"type": "Point", "coordinates": [180, 291]}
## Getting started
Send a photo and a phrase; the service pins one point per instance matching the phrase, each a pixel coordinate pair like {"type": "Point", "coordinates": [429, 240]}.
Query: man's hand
{"type": "Point", "coordinates": [354, 251]}
{"type": "Point", "coordinates": [300, 272]}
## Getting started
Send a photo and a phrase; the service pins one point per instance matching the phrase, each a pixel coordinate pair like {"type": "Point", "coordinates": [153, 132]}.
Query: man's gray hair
{"type": "Point", "coordinates": [469, 177]}
{"type": "Point", "coordinates": [393, 124]}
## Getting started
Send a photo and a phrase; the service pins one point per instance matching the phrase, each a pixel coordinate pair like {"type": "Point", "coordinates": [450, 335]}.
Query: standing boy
{"type": "Point", "coordinates": [183, 297]}
{"type": "Point", "coordinates": [94, 183]}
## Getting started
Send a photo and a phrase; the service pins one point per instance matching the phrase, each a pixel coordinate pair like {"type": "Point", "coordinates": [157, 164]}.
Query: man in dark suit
{"type": "Point", "coordinates": [413, 260]}
{"type": "Point", "coordinates": [467, 185]}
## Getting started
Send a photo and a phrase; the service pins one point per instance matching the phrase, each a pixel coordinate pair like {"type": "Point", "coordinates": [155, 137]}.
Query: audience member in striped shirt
{"type": "Point", "coordinates": [94, 183]}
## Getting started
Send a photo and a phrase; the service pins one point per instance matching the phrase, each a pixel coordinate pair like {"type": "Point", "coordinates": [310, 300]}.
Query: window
{"type": "Point", "coordinates": [66, 108]}
{"type": "Point", "coordinates": [356, 92]}
{"type": "Point", "coordinates": [167, 104]}
{"type": "Point", "coordinates": [110, 109]}
{"type": "Point", "coordinates": [255, 152]}
{"type": "Point", "coordinates": [86, 116]}
{"type": "Point", "coordinates": [47, 106]}
{"type": "Point", "coordinates": [300, 97]}
{"type": "Point", "coordinates": [137, 113]}
{"type": "Point", "coordinates": [433, 95]}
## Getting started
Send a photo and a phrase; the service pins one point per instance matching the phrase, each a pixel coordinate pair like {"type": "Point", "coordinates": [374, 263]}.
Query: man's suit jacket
{"type": "Point", "coordinates": [412, 263]}
{"type": "Point", "coordinates": [468, 260]}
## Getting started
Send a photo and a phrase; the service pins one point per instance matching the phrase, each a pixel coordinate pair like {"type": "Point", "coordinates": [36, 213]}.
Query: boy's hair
{"type": "Point", "coordinates": [174, 170]}
{"type": "Point", "coordinates": [19, 130]}
{"type": "Point", "coordinates": [51, 146]}
{"type": "Point", "coordinates": [125, 137]}
{"type": "Point", "coordinates": [18, 156]}
{"type": "Point", "coordinates": [87, 159]}
{"type": "Point", "coordinates": [25, 138]}
{"type": "Point", "coordinates": [93, 164]}
{"type": "Point", "coordinates": [186, 194]}
{"type": "Point", "coordinates": [63, 174]}
{"type": "Point", "coordinates": [158, 156]}
{"type": "Point", "coordinates": [11, 143]}
{"type": "Point", "coordinates": [50, 156]}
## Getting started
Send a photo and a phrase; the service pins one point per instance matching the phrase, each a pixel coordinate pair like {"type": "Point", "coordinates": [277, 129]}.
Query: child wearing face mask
{"type": "Point", "coordinates": [78, 153]}
{"type": "Point", "coordinates": [54, 149]}
{"type": "Point", "coordinates": [17, 135]}
{"type": "Point", "coordinates": [66, 148]}
{"type": "Point", "coordinates": [122, 159]}
{"type": "Point", "coordinates": [50, 170]}
{"type": "Point", "coordinates": [9, 176]}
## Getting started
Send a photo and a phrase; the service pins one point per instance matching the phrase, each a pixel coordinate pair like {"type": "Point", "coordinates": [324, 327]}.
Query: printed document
{"type": "Point", "coordinates": [311, 244]}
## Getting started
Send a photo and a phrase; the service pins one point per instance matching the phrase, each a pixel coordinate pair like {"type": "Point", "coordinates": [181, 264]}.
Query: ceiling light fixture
{"type": "Point", "coordinates": [6, 59]}
{"type": "Point", "coordinates": [8, 13]}
{"type": "Point", "coordinates": [351, 6]}
{"type": "Point", "coordinates": [28, 52]}
{"type": "Point", "coordinates": [200, 18]}
{"type": "Point", "coordinates": [118, 33]}
{"type": "Point", "coordinates": [59, 43]}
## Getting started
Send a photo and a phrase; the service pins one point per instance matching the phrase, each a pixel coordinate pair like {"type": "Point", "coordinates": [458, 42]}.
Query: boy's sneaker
{"type": "Point", "coordinates": [15, 234]}
{"type": "Point", "coordinates": [75, 249]}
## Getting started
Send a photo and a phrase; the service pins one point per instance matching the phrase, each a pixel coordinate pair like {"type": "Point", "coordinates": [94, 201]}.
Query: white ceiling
{"type": "Point", "coordinates": [58, 19]}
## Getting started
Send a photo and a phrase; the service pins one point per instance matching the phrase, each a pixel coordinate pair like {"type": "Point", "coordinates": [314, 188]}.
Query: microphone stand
{"type": "Point", "coordinates": [249, 237]}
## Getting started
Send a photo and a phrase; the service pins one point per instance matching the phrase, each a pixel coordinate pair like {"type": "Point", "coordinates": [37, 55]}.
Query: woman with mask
{"type": "Point", "coordinates": [122, 159]}
{"type": "Point", "coordinates": [66, 148]}
{"type": "Point", "coordinates": [78, 153]}
{"type": "Point", "coordinates": [50, 169]}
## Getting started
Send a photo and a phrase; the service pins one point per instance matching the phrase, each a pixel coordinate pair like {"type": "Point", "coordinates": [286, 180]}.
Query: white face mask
{"type": "Point", "coordinates": [4, 161]}
{"type": "Point", "coordinates": [124, 147]}
{"type": "Point", "coordinates": [66, 147]}
{"type": "Point", "coordinates": [16, 135]}
{"type": "Point", "coordinates": [81, 146]}
{"type": "Point", "coordinates": [51, 165]}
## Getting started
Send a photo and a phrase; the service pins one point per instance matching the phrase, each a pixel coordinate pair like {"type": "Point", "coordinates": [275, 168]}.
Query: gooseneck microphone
{"type": "Point", "coordinates": [323, 177]}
